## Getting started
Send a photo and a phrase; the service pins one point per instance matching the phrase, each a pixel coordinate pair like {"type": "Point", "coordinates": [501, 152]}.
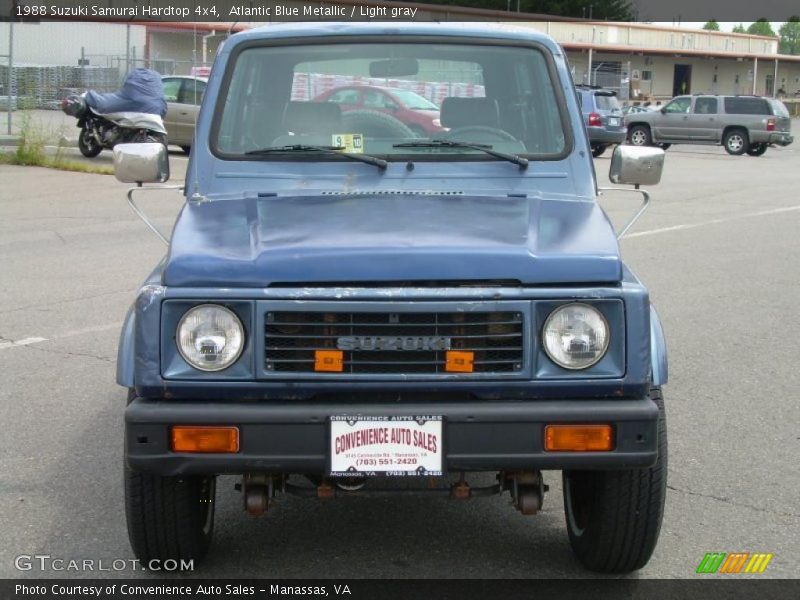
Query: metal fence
{"type": "Point", "coordinates": [613, 75]}
{"type": "Point", "coordinates": [43, 86]}
{"type": "Point", "coordinates": [7, 81]}
{"type": "Point", "coordinates": [27, 85]}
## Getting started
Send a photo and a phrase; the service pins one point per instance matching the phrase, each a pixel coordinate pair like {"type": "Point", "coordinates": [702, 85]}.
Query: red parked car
{"type": "Point", "coordinates": [418, 113]}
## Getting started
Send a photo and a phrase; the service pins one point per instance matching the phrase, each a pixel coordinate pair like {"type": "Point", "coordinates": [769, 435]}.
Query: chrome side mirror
{"type": "Point", "coordinates": [141, 163]}
{"type": "Point", "coordinates": [636, 165]}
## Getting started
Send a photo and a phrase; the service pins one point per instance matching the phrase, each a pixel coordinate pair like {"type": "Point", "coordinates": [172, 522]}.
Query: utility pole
{"type": "Point", "coordinates": [755, 74]}
{"type": "Point", "coordinates": [127, 48]}
{"type": "Point", "coordinates": [775, 81]}
{"type": "Point", "coordinates": [10, 66]}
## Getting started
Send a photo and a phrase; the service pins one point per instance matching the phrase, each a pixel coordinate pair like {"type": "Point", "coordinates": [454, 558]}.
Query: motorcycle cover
{"type": "Point", "coordinates": [137, 120]}
{"type": "Point", "coordinates": [142, 91]}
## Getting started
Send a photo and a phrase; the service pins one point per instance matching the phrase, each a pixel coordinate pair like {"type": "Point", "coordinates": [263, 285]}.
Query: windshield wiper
{"type": "Point", "coordinates": [517, 160]}
{"type": "Point", "coordinates": [332, 150]}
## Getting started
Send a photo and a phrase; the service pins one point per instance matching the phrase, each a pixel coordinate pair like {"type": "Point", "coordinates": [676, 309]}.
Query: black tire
{"type": "Point", "coordinates": [169, 517]}
{"type": "Point", "coordinates": [88, 145]}
{"type": "Point", "coordinates": [665, 146]}
{"type": "Point", "coordinates": [639, 135]}
{"type": "Point", "coordinates": [598, 150]}
{"type": "Point", "coordinates": [614, 517]}
{"type": "Point", "coordinates": [186, 149]}
{"type": "Point", "coordinates": [736, 142]}
{"type": "Point", "coordinates": [756, 149]}
{"type": "Point", "coordinates": [158, 138]}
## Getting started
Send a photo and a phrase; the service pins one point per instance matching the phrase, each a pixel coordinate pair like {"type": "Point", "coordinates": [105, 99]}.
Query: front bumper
{"type": "Point", "coordinates": [292, 437]}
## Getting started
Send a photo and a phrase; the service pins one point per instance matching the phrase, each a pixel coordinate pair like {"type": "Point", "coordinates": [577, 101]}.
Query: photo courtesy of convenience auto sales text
{"type": "Point", "coordinates": [72, 590]}
{"type": "Point", "coordinates": [381, 283]}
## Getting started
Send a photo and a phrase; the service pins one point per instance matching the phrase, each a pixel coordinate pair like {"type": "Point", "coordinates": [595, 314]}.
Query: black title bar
{"type": "Point", "coordinates": [184, 588]}
{"type": "Point", "coordinates": [349, 10]}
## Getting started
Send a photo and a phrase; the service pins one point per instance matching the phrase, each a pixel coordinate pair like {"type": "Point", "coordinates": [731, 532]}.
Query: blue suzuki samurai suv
{"type": "Point", "coordinates": [347, 299]}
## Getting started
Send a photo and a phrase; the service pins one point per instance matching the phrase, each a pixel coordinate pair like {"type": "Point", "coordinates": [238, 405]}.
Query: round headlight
{"type": "Point", "coordinates": [575, 336]}
{"type": "Point", "coordinates": [210, 337]}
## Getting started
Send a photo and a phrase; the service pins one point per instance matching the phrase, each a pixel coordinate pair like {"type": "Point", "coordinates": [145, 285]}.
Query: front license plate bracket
{"type": "Point", "coordinates": [386, 446]}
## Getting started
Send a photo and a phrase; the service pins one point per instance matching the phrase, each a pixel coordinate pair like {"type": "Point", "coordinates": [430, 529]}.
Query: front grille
{"type": "Point", "coordinates": [394, 343]}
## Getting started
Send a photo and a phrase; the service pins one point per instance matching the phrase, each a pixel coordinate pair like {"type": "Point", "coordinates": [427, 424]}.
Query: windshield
{"type": "Point", "coordinates": [679, 105]}
{"type": "Point", "coordinates": [371, 97]}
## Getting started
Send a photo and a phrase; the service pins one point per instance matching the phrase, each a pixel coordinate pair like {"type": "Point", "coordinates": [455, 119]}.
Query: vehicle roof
{"type": "Point", "coordinates": [185, 77]}
{"type": "Point", "coordinates": [594, 89]}
{"type": "Point", "coordinates": [326, 28]}
{"type": "Point", "coordinates": [725, 95]}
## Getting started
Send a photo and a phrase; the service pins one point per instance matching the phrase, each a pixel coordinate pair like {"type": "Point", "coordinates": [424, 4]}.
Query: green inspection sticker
{"type": "Point", "coordinates": [351, 142]}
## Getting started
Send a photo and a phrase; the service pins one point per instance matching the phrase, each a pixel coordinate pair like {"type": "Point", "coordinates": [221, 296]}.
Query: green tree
{"type": "Point", "coordinates": [711, 26]}
{"type": "Point", "coordinates": [790, 36]}
{"type": "Point", "coordinates": [761, 27]}
{"type": "Point", "coordinates": [739, 29]}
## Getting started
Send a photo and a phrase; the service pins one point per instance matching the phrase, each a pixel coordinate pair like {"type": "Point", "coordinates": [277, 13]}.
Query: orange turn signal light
{"type": "Point", "coordinates": [329, 360]}
{"type": "Point", "coordinates": [190, 438]}
{"type": "Point", "coordinates": [459, 361]}
{"type": "Point", "coordinates": [578, 438]}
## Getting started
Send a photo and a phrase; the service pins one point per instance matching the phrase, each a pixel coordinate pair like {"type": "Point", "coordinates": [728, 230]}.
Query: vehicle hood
{"type": "Point", "coordinates": [258, 241]}
{"type": "Point", "coordinates": [643, 117]}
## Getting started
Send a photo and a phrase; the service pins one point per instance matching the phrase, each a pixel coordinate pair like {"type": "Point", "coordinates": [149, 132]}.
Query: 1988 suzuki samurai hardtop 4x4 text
{"type": "Point", "coordinates": [346, 299]}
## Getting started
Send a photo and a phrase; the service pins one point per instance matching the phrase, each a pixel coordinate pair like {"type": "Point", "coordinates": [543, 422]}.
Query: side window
{"type": "Point", "coordinates": [344, 97]}
{"type": "Point", "coordinates": [679, 105]}
{"type": "Point", "coordinates": [746, 105]}
{"type": "Point", "coordinates": [192, 91]}
{"type": "Point", "coordinates": [374, 99]}
{"type": "Point", "coordinates": [779, 108]}
{"type": "Point", "coordinates": [172, 88]}
{"type": "Point", "coordinates": [705, 106]}
{"type": "Point", "coordinates": [389, 103]}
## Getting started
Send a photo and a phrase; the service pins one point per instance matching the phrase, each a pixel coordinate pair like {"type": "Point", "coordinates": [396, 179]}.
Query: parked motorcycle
{"type": "Point", "coordinates": [133, 114]}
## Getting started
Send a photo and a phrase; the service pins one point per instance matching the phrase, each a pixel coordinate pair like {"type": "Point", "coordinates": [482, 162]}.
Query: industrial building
{"type": "Point", "coordinates": [642, 62]}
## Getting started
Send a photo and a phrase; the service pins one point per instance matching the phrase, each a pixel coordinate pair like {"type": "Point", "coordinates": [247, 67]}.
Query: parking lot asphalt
{"type": "Point", "coordinates": [719, 251]}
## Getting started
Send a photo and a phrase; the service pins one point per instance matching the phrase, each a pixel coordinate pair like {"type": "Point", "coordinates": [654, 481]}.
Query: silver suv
{"type": "Point", "coordinates": [742, 124]}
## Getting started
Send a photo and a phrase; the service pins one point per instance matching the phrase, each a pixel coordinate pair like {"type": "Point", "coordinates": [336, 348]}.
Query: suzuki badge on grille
{"type": "Point", "coordinates": [412, 343]}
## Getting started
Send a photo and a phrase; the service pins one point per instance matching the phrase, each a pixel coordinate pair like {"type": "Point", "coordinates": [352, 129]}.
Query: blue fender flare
{"type": "Point", "coordinates": [125, 351]}
{"type": "Point", "coordinates": [658, 350]}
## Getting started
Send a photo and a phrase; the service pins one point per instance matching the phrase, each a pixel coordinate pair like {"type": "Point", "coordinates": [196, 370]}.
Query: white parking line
{"type": "Point", "coordinates": [37, 340]}
{"type": "Point", "coordinates": [762, 213]}
{"type": "Point", "coordinates": [23, 342]}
